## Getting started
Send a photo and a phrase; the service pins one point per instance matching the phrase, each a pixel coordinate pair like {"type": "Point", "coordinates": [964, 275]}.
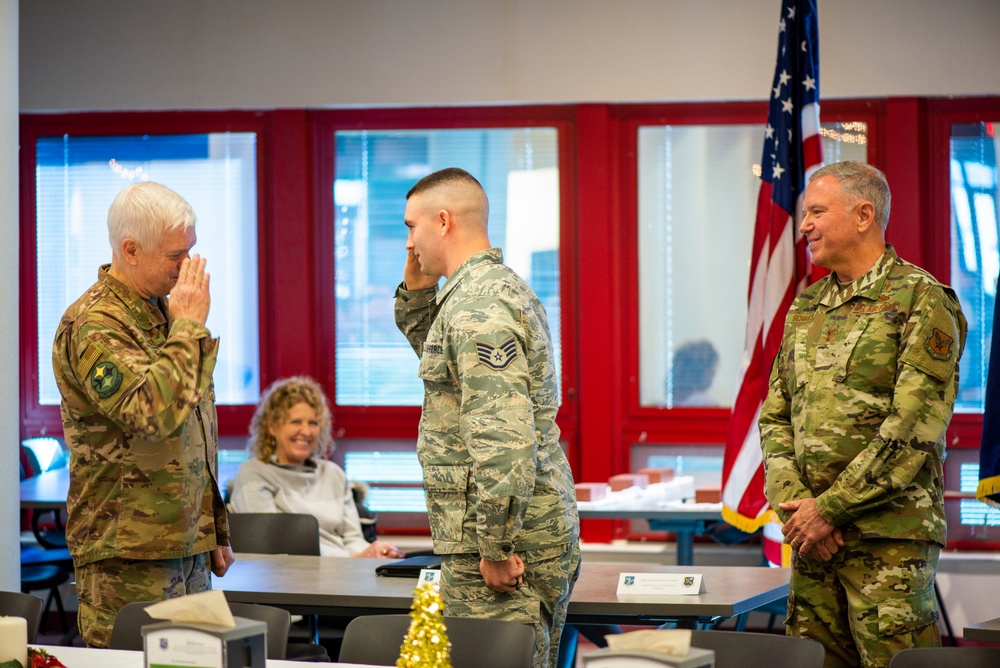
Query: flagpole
{"type": "Point", "coordinates": [779, 264]}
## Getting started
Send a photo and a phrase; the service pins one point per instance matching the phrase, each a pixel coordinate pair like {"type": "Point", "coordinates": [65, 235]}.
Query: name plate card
{"type": "Point", "coordinates": [646, 585]}
{"type": "Point", "coordinates": [432, 575]}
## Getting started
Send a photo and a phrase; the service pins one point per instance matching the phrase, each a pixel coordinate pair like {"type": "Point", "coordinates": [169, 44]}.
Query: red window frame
{"type": "Point", "coordinates": [37, 419]}
{"type": "Point", "coordinates": [601, 417]}
{"type": "Point", "coordinates": [965, 430]}
{"type": "Point", "coordinates": [402, 421]}
{"type": "Point", "coordinates": [685, 425]}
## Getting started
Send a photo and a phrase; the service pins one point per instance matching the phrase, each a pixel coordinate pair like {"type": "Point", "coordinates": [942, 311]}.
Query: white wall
{"type": "Point", "coordinates": [9, 392]}
{"type": "Point", "coordinates": [191, 54]}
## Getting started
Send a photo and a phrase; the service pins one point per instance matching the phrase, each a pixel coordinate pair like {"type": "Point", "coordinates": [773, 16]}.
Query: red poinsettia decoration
{"type": "Point", "coordinates": [39, 658]}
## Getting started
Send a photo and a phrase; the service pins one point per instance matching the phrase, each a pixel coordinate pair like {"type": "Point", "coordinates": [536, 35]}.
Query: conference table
{"type": "Point", "coordinates": [686, 520]}
{"type": "Point", "coordinates": [48, 490]}
{"type": "Point", "coordinates": [85, 657]}
{"type": "Point", "coordinates": [345, 586]}
{"type": "Point", "coordinates": [988, 631]}
{"type": "Point", "coordinates": [45, 490]}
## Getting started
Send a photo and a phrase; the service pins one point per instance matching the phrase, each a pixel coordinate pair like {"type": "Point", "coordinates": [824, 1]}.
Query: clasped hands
{"type": "Point", "coordinates": [505, 576]}
{"type": "Point", "coordinates": [809, 533]}
{"type": "Point", "coordinates": [381, 550]}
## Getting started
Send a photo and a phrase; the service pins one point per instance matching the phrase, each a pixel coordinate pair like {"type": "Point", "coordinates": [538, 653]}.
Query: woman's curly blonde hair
{"type": "Point", "coordinates": [273, 408]}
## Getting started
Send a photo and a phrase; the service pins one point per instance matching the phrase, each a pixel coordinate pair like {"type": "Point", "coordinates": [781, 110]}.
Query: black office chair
{"type": "Point", "coordinates": [48, 577]}
{"type": "Point", "coordinates": [127, 631]}
{"type": "Point", "coordinates": [44, 454]}
{"type": "Point", "coordinates": [484, 643]}
{"type": "Point", "coordinates": [734, 649]}
{"type": "Point", "coordinates": [947, 657]}
{"type": "Point", "coordinates": [44, 568]}
{"type": "Point", "coordinates": [280, 533]}
{"type": "Point", "coordinates": [16, 604]}
{"type": "Point", "coordinates": [274, 533]}
{"type": "Point", "coordinates": [280, 621]}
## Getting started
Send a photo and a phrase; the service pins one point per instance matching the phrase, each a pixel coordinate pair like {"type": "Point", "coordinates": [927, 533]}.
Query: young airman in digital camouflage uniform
{"type": "Point", "coordinates": [500, 495]}
{"type": "Point", "coordinates": [853, 429]}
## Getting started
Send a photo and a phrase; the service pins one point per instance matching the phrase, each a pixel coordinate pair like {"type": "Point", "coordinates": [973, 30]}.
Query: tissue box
{"type": "Point", "coordinates": [591, 491]}
{"type": "Point", "coordinates": [657, 475]}
{"type": "Point", "coordinates": [192, 644]}
{"type": "Point", "coordinates": [606, 658]}
{"type": "Point", "coordinates": [626, 480]}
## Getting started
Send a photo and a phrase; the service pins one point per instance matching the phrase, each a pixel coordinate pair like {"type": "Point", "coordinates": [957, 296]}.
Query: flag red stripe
{"type": "Point", "coordinates": [812, 151]}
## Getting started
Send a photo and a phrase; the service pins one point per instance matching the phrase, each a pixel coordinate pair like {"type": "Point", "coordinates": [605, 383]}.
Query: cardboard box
{"type": "Point", "coordinates": [657, 474]}
{"type": "Point", "coordinates": [591, 491]}
{"type": "Point", "coordinates": [626, 480]}
{"type": "Point", "coordinates": [708, 495]}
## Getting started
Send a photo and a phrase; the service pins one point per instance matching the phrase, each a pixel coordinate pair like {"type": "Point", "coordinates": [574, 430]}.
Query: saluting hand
{"type": "Point", "coordinates": [190, 297]}
{"type": "Point", "coordinates": [414, 277]}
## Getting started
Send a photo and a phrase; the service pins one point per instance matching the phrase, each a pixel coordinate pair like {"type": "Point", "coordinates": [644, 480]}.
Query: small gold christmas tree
{"type": "Point", "coordinates": [426, 643]}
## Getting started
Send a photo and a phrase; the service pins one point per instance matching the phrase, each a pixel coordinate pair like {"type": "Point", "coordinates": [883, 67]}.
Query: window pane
{"type": "Point", "coordinates": [975, 256]}
{"type": "Point", "coordinates": [518, 167]}
{"type": "Point", "coordinates": [394, 479]}
{"type": "Point", "coordinates": [968, 519]}
{"type": "Point", "coordinates": [697, 200]}
{"type": "Point", "coordinates": [76, 180]}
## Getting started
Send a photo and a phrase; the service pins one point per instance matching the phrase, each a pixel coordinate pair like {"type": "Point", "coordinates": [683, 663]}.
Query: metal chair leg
{"type": "Point", "coordinates": [944, 615]}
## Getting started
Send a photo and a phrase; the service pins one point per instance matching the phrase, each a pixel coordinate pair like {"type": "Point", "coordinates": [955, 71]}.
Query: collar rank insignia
{"type": "Point", "coordinates": [105, 379]}
{"type": "Point", "coordinates": [939, 345]}
{"type": "Point", "coordinates": [497, 357]}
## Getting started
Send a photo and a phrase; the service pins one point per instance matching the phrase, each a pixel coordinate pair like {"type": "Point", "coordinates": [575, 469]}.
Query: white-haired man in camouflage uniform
{"type": "Point", "coordinates": [500, 494]}
{"type": "Point", "coordinates": [853, 429]}
{"type": "Point", "coordinates": [146, 518]}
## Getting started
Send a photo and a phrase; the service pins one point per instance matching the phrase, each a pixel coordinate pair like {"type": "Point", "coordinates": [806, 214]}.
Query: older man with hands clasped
{"type": "Point", "coordinates": [853, 428]}
{"type": "Point", "coordinates": [146, 520]}
{"type": "Point", "coordinates": [500, 495]}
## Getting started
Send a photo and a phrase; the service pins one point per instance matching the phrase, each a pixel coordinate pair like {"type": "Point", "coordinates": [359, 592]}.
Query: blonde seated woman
{"type": "Point", "coordinates": [288, 472]}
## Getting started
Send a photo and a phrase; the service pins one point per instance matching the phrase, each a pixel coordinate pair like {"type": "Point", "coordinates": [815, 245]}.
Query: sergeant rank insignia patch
{"type": "Point", "coordinates": [497, 357]}
{"type": "Point", "coordinates": [105, 379]}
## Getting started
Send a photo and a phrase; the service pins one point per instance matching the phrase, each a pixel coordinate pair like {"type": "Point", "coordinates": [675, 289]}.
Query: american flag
{"type": "Point", "coordinates": [779, 267]}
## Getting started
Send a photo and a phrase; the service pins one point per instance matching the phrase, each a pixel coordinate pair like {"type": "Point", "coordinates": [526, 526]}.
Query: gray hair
{"type": "Point", "coordinates": [144, 211]}
{"type": "Point", "coordinates": [860, 182]}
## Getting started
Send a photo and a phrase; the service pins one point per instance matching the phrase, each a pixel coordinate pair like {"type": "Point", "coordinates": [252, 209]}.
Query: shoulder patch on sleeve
{"type": "Point", "coordinates": [105, 378]}
{"type": "Point", "coordinates": [497, 357]}
{"type": "Point", "coordinates": [936, 346]}
{"type": "Point", "coordinates": [939, 345]}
